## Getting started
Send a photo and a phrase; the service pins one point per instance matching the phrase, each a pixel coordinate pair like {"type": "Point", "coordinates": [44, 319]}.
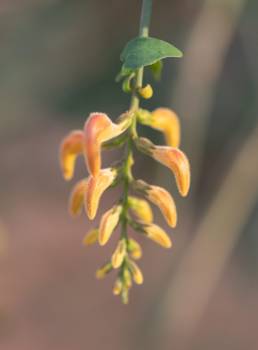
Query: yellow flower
{"type": "Point", "coordinates": [77, 197]}
{"type": "Point", "coordinates": [108, 223]}
{"type": "Point", "coordinates": [136, 272]}
{"type": "Point", "coordinates": [71, 147]}
{"type": "Point", "coordinates": [95, 188]}
{"type": "Point", "coordinates": [177, 162]}
{"type": "Point", "coordinates": [158, 235]}
{"type": "Point", "coordinates": [98, 129]}
{"type": "Point", "coordinates": [91, 237]}
{"type": "Point", "coordinates": [119, 254]}
{"type": "Point", "coordinates": [141, 209]}
{"type": "Point", "coordinates": [134, 249]}
{"type": "Point", "coordinates": [104, 270]}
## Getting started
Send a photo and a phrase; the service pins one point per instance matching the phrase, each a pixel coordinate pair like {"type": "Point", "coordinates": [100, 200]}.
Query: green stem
{"type": "Point", "coordinates": [143, 32]}
{"type": "Point", "coordinates": [135, 101]}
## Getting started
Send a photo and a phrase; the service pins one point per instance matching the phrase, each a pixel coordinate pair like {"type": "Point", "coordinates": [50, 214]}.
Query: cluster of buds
{"type": "Point", "coordinates": [133, 209]}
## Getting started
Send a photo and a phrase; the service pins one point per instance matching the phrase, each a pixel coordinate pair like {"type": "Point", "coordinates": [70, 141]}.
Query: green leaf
{"type": "Point", "coordinates": [141, 52]}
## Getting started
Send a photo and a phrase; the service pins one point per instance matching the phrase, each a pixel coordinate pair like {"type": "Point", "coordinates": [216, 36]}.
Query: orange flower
{"type": "Point", "coordinates": [77, 197]}
{"type": "Point", "coordinates": [167, 121]}
{"type": "Point", "coordinates": [158, 235]}
{"type": "Point", "coordinates": [98, 129]}
{"type": "Point", "coordinates": [141, 209]}
{"type": "Point", "coordinates": [71, 147]}
{"type": "Point", "coordinates": [95, 188]}
{"type": "Point", "coordinates": [108, 223]}
{"type": "Point", "coordinates": [162, 198]}
{"type": "Point", "coordinates": [177, 162]}
{"type": "Point", "coordinates": [164, 120]}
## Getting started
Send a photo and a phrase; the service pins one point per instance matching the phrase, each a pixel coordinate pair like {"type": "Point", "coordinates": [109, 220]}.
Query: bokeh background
{"type": "Point", "coordinates": [58, 60]}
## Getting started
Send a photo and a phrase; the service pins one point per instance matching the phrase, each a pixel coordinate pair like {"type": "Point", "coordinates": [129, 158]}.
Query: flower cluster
{"type": "Point", "coordinates": [101, 133]}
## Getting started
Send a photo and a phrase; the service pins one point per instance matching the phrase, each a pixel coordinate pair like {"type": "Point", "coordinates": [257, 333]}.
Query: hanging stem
{"type": "Point", "coordinates": [135, 101]}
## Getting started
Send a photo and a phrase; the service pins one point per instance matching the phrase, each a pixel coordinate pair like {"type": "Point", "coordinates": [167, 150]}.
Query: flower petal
{"type": "Point", "coordinates": [71, 147]}
{"type": "Point", "coordinates": [77, 197]}
{"type": "Point", "coordinates": [167, 121]}
{"type": "Point", "coordinates": [141, 209]}
{"type": "Point", "coordinates": [158, 235]}
{"type": "Point", "coordinates": [108, 223]}
{"type": "Point", "coordinates": [162, 198]}
{"type": "Point", "coordinates": [177, 162]}
{"type": "Point", "coordinates": [96, 186]}
{"type": "Point", "coordinates": [98, 129]}
{"type": "Point", "coordinates": [119, 254]}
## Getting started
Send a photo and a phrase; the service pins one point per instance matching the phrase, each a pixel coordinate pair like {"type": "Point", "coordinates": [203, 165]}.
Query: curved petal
{"type": "Point", "coordinates": [98, 129]}
{"type": "Point", "coordinates": [177, 162]}
{"type": "Point", "coordinates": [108, 223]}
{"type": "Point", "coordinates": [71, 147]}
{"type": "Point", "coordinates": [165, 120]}
{"type": "Point", "coordinates": [162, 198]}
{"type": "Point", "coordinates": [77, 197]}
{"type": "Point", "coordinates": [158, 235]}
{"type": "Point", "coordinates": [95, 188]}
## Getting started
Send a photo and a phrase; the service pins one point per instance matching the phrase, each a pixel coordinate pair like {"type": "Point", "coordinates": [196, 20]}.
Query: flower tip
{"type": "Point", "coordinates": [108, 223]}
{"type": "Point", "coordinates": [70, 148]}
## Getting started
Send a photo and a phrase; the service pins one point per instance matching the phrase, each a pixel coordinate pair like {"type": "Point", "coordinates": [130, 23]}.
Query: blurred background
{"type": "Point", "coordinates": [57, 64]}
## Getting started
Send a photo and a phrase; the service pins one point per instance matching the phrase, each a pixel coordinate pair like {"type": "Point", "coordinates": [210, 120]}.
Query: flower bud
{"type": "Point", "coordinates": [91, 237]}
{"type": "Point", "coordinates": [119, 254]}
{"type": "Point", "coordinates": [146, 92]}
{"type": "Point", "coordinates": [134, 249]}
{"type": "Point", "coordinates": [71, 147]}
{"type": "Point", "coordinates": [77, 197]}
{"type": "Point", "coordinates": [141, 209]}
{"type": "Point", "coordinates": [136, 272]}
{"type": "Point", "coordinates": [127, 278]}
{"type": "Point", "coordinates": [95, 188]}
{"type": "Point", "coordinates": [104, 270]}
{"type": "Point", "coordinates": [108, 223]}
{"type": "Point", "coordinates": [117, 289]}
{"type": "Point", "coordinates": [159, 236]}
